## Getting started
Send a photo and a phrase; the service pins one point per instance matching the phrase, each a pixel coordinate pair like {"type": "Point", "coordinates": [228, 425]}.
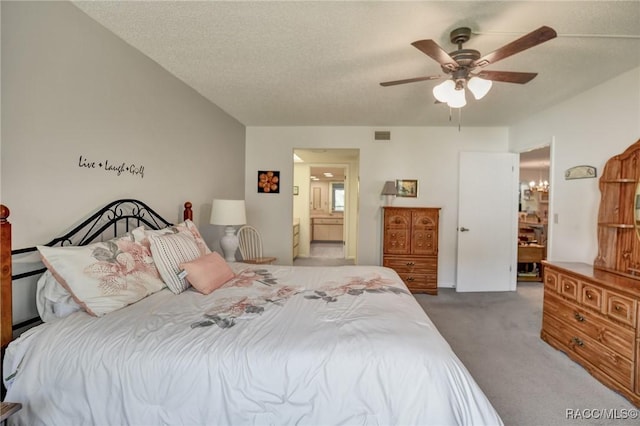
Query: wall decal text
{"type": "Point", "coordinates": [117, 168]}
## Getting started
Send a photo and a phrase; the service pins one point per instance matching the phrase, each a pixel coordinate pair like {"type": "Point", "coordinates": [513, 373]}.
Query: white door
{"type": "Point", "coordinates": [487, 222]}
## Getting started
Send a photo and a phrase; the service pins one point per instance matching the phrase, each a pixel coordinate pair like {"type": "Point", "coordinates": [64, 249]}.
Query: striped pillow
{"type": "Point", "coordinates": [168, 252]}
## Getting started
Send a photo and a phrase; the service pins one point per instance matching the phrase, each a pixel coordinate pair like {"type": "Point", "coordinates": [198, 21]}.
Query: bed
{"type": "Point", "coordinates": [270, 344]}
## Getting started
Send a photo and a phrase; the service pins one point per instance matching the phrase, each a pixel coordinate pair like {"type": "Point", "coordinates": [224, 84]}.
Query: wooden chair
{"type": "Point", "coordinates": [250, 245]}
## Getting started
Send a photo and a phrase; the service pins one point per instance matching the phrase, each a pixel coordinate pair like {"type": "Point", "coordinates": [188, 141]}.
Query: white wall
{"type": "Point", "coordinates": [71, 88]}
{"type": "Point", "coordinates": [429, 154]}
{"type": "Point", "coordinates": [585, 130]}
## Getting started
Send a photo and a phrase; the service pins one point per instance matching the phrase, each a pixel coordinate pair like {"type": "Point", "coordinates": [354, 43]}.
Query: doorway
{"type": "Point", "coordinates": [533, 212]}
{"type": "Point", "coordinates": [325, 200]}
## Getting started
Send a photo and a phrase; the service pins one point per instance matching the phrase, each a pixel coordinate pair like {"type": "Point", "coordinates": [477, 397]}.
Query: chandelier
{"type": "Point", "coordinates": [452, 93]}
{"type": "Point", "coordinates": [541, 186]}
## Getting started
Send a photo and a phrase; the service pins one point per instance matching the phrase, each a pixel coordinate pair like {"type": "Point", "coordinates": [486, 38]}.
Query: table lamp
{"type": "Point", "coordinates": [389, 191]}
{"type": "Point", "coordinates": [228, 213]}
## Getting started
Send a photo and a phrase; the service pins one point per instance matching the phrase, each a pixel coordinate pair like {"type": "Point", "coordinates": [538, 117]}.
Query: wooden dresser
{"type": "Point", "coordinates": [592, 316]}
{"type": "Point", "coordinates": [592, 312]}
{"type": "Point", "coordinates": [410, 246]}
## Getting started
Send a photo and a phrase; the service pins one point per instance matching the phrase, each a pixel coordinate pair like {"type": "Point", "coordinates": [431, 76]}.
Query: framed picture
{"type": "Point", "coordinates": [295, 190]}
{"type": "Point", "coordinates": [407, 188]}
{"type": "Point", "coordinates": [268, 182]}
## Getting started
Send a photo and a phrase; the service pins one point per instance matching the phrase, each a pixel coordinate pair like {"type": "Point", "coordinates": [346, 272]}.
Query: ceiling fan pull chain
{"type": "Point", "coordinates": [459, 118]}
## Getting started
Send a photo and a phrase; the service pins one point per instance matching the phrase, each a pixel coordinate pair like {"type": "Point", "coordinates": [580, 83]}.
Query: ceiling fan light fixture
{"type": "Point", "coordinates": [457, 99]}
{"type": "Point", "coordinates": [444, 90]}
{"type": "Point", "coordinates": [479, 87]}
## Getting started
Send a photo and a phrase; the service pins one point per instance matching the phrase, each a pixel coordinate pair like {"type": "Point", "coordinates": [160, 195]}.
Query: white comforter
{"type": "Point", "coordinates": [303, 345]}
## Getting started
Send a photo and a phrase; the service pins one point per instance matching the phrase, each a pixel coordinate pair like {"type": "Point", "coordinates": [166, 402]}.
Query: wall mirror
{"type": "Point", "coordinates": [337, 196]}
{"type": "Point", "coordinates": [316, 199]}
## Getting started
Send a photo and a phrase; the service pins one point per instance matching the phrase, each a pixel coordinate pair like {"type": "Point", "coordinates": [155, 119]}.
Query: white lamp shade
{"type": "Point", "coordinates": [479, 86]}
{"type": "Point", "coordinates": [443, 91]}
{"type": "Point", "coordinates": [228, 212]}
{"type": "Point", "coordinates": [457, 99]}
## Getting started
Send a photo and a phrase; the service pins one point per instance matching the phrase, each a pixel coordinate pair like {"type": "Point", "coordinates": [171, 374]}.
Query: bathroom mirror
{"type": "Point", "coordinates": [316, 200]}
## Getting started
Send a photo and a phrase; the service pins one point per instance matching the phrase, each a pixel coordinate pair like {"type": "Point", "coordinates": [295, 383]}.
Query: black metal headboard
{"type": "Point", "coordinates": [112, 220]}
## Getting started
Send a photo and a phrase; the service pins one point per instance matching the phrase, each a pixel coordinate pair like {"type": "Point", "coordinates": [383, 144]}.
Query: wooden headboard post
{"type": "Point", "coordinates": [188, 213]}
{"type": "Point", "coordinates": [6, 317]}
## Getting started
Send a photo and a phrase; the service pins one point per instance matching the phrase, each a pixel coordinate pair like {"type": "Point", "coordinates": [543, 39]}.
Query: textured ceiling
{"type": "Point", "coordinates": [294, 63]}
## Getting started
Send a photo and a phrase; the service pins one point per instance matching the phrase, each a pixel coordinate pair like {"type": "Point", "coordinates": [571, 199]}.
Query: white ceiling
{"type": "Point", "coordinates": [320, 62]}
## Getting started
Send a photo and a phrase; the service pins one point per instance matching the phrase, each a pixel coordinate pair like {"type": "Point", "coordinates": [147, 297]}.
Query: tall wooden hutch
{"type": "Point", "coordinates": [410, 246]}
{"type": "Point", "coordinates": [592, 313]}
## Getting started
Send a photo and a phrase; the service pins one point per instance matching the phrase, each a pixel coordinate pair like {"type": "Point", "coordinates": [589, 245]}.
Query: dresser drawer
{"type": "Point", "coordinates": [569, 287]}
{"type": "Point", "coordinates": [620, 308]}
{"type": "Point", "coordinates": [550, 279]}
{"type": "Point", "coordinates": [593, 355]}
{"type": "Point", "coordinates": [411, 264]}
{"type": "Point", "coordinates": [419, 282]}
{"type": "Point", "coordinates": [591, 296]}
{"type": "Point", "coordinates": [616, 337]}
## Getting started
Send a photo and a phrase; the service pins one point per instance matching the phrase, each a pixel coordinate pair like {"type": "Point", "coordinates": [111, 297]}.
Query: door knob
{"type": "Point", "coordinates": [463, 229]}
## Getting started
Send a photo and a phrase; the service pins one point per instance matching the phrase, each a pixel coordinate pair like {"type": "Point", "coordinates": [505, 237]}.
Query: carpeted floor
{"type": "Point", "coordinates": [324, 254]}
{"type": "Point", "coordinates": [497, 336]}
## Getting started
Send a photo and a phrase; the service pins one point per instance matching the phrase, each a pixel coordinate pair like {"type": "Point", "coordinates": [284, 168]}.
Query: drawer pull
{"type": "Point", "coordinates": [589, 296]}
{"type": "Point", "coordinates": [411, 279]}
{"type": "Point", "coordinates": [577, 341]}
{"type": "Point", "coordinates": [411, 263]}
{"type": "Point", "coordinates": [617, 308]}
{"type": "Point", "coordinates": [578, 317]}
{"type": "Point", "coordinates": [566, 287]}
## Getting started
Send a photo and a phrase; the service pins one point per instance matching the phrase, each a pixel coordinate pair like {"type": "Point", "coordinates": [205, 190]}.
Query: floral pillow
{"type": "Point", "coordinates": [171, 250]}
{"type": "Point", "coordinates": [105, 276]}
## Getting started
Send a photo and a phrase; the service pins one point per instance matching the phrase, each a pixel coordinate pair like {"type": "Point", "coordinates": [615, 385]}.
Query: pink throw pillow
{"type": "Point", "coordinates": [207, 273]}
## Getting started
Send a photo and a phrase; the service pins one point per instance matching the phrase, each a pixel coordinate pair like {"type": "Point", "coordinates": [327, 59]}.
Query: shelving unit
{"type": "Point", "coordinates": [618, 239]}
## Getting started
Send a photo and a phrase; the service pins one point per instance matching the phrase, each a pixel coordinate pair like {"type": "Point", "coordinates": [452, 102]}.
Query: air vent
{"type": "Point", "coordinates": [382, 136]}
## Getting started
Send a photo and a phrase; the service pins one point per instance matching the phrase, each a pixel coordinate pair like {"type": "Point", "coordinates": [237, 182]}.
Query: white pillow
{"type": "Point", "coordinates": [52, 300]}
{"type": "Point", "coordinates": [169, 251]}
{"type": "Point", "coordinates": [105, 276]}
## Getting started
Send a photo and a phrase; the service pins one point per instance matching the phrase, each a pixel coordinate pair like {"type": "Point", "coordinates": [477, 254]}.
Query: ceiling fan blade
{"type": "Point", "coordinates": [410, 80]}
{"type": "Point", "coordinates": [434, 51]}
{"type": "Point", "coordinates": [527, 41]}
{"type": "Point", "coordinates": [507, 76]}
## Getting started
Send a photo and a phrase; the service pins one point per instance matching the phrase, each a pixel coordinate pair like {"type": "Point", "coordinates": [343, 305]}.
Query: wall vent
{"type": "Point", "coordinates": [382, 136]}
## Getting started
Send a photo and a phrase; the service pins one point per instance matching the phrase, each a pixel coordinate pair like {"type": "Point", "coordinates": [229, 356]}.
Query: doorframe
{"type": "Point", "coordinates": [352, 192]}
{"type": "Point", "coordinates": [551, 219]}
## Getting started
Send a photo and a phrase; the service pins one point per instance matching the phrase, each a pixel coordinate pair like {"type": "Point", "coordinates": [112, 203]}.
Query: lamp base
{"type": "Point", "coordinates": [229, 244]}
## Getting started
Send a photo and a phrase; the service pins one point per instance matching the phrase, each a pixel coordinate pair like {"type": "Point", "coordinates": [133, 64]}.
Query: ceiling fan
{"type": "Point", "coordinates": [463, 66]}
